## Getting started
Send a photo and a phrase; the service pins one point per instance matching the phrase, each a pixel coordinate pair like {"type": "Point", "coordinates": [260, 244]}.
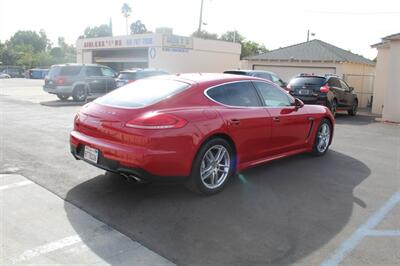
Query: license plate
{"type": "Point", "coordinates": [91, 154]}
{"type": "Point", "coordinates": [304, 92]}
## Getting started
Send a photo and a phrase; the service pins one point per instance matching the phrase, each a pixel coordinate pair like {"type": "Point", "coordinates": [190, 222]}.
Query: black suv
{"type": "Point", "coordinates": [79, 81]}
{"type": "Point", "coordinates": [259, 74]}
{"type": "Point", "coordinates": [328, 90]}
{"type": "Point", "coordinates": [131, 75]}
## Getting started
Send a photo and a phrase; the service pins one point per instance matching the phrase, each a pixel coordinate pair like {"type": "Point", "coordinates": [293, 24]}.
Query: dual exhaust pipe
{"type": "Point", "coordinates": [130, 177]}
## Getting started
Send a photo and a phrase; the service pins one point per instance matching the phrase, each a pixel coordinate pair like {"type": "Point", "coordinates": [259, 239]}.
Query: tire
{"type": "Point", "coordinates": [214, 180]}
{"type": "Point", "coordinates": [79, 94]}
{"type": "Point", "coordinates": [322, 137]}
{"type": "Point", "coordinates": [353, 110]}
{"type": "Point", "coordinates": [62, 97]}
{"type": "Point", "coordinates": [333, 107]}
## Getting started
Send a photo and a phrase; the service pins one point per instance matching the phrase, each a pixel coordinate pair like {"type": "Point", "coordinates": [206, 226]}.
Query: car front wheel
{"type": "Point", "coordinates": [353, 110]}
{"type": "Point", "coordinates": [322, 138]}
{"type": "Point", "coordinates": [212, 168]}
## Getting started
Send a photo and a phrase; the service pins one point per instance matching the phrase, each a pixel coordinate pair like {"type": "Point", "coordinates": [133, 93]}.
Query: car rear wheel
{"type": "Point", "coordinates": [353, 110]}
{"type": "Point", "coordinates": [62, 97]}
{"type": "Point", "coordinates": [79, 93]}
{"type": "Point", "coordinates": [212, 167]}
{"type": "Point", "coordinates": [322, 138]}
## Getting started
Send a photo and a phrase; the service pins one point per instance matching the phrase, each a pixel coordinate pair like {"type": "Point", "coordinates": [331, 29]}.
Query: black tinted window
{"type": "Point", "coordinates": [301, 81]}
{"type": "Point", "coordinates": [273, 96]}
{"type": "Point", "coordinates": [236, 72]}
{"type": "Point", "coordinates": [344, 85]}
{"type": "Point", "coordinates": [127, 75]}
{"type": "Point", "coordinates": [235, 94]}
{"type": "Point", "coordinates": [334, 82]}
{"type": "Point", "coordinates": [70, 70]}
{"type": "Point", "coordinates": [142, 93]}
{"type": "Point", "coordinates": [263, 76]}
{"type": "Point", "coordinates": [93, 72]}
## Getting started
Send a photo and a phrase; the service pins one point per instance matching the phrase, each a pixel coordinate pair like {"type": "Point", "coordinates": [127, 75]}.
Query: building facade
{"type": "Point", "coordinates": [173, 53]}
{"type": "Point", "coordinates": [319, 58]}
{"type": "Point", "coordinates": [387, 82]}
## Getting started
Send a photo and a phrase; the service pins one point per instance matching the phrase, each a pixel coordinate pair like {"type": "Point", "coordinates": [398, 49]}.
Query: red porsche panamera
{"type": "Point", "coordinates": [203, 127]}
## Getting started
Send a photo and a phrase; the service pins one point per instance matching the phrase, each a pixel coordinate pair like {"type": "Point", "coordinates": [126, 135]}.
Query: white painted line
{"type": "Point", "coordinates": [363, 231]}
{"type": "Point", "coordinates": [383, 233]}
{"type": "Point", "coordinates": [18, 184]}
{"type": "Point", "coordinates": [47, 248]}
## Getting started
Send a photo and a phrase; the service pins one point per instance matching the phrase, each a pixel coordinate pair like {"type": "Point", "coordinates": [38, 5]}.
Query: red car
{"type": "Point", "coordinates": [204, 127]}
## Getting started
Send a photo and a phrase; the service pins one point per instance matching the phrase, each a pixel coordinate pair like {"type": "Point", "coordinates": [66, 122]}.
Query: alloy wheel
{"type": "Point", "coordinates": [323, 137]}
{"type": "Point", "coordinates": [215, 166]}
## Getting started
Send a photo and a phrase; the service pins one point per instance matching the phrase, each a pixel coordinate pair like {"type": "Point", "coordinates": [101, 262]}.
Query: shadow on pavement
{"type": "Point", "coordinates": [273, 214]}
{"type": "Point", "coordinates": [359, 119]}
{"type": "Point", "coordinates": [59, 103]}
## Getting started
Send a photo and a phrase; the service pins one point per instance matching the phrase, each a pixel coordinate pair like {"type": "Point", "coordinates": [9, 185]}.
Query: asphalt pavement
{"type": "Point", "coordinates": [299, 210]}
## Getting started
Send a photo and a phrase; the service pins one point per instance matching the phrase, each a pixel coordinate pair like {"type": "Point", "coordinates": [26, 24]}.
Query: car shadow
{"type": "Point", "coordinates": [59, 103]}
{"type": "Point", "coordinates": [359, 119]}
{"type": "Point", "coordinates": [276, 213]}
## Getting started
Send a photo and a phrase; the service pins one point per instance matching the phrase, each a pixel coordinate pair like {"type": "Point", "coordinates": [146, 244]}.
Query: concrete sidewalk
{"type": "Point", "coordinates": [36, 229]}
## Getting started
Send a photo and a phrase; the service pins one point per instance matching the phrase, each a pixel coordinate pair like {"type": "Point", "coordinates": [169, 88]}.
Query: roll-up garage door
{"type": "Point", "coordinates": [288, 72]}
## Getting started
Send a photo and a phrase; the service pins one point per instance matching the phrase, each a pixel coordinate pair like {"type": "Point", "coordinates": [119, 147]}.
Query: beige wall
{"type": "Point", "coordinates": [391, 110]}
{"type": "Point", "coordinates": [361, 78]}
{"type": "Point", "coordinates": [381, 77]}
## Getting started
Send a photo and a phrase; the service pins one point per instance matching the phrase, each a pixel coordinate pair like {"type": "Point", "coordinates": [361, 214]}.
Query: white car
{"type": "Point", "coordinates": [4, 76]}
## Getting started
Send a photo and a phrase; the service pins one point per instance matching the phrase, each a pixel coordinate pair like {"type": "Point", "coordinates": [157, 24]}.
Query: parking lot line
{"type": "Point", "coordinates": [17, 184]}
{"type": "Point", "coordinates": [365, 230]}
{"type": "Point", "coordinates": [47, 248]}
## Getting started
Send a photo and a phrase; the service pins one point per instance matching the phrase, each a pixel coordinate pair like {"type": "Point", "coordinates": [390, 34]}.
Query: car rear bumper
{"type": "Point", "coordinates": [64, 90]}
{"type": "Point", "coordinates": [130, 160]}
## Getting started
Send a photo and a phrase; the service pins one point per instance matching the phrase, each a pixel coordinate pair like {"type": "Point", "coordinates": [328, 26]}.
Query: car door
{"type": "Point", "coordinates": [338, 91]}
{"type": "Point", "coordinates": [347, 94]}
{"type": "Point", "coordinates": [95, 80]}
{"type": "Point", "coordinates": [109, 75]}
{"type": "Point", "coordinates": [290, 125]}
{"type": "Point", "coordinates": [247, 121]}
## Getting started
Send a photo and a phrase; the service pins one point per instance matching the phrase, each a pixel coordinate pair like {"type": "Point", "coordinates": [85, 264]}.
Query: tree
{"type": "Point", "coordinates": [232, 36]}
{"type": "Point", "coordinates": [205, 35]}
{"type": "Point", "coordinates": [138, 27]}
{"type": "Point", "coordinates": [97, 31]}
{"type": "Point", "coordinates": [252, 48]}
{"type": "Point", "coordinates": [39, 42]}
{"type": "Point", "coordinates": [126, 11]}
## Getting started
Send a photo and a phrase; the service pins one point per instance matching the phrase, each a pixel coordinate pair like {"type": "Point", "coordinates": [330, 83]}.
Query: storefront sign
{"type": "Point", "coordinates": [118, 43]}
{"type": "Point", "coordinates": [175, 41]}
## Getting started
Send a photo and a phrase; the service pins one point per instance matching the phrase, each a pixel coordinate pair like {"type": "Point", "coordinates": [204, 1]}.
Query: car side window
{"type": "Point", "coordinates": [334, 82]}
{"type": "Point", "coordinates": [344, 85]}
{"type": "Point", "coordinates": [263, 76]}
{"type": "Point", "coordinates": [93, 72]}
{"type": "Point", "coordinates": [276, 80]}
{"type": "Point", "coordinates": [235, 94]}
{"type": "Point", "coordinates": [273, 96]}
{"type": "Point", "coordinates": [107, 72]}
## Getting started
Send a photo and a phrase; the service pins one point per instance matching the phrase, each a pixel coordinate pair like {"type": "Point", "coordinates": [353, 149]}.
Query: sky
{"type": "Point", "coordinates": [351, 25]}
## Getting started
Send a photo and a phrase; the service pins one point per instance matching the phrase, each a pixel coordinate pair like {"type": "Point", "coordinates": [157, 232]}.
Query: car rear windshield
{"type": "Point", "coordinates": [127, 75]}
{"type": "Point", "coordinates": [142, 93]}
{"type": "Point", "coordinates": [64, 71]}
{"type": "Point", "coordinates": [301, 81]}
{"type": "Point", "coordinates": [235, 72]}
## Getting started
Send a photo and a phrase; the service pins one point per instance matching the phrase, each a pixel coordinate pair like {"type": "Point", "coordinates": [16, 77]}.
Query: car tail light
{"type": "Point", "coordinates": [60, 80]}
{"type": "Point", "coordinates": [324, 88]}
{"type": "Point", "coordinates": [157, 121]}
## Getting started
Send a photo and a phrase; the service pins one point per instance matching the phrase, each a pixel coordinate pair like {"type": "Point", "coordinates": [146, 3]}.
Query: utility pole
{"type": "Point", "coordinates": [308, 35]}
{"type": "Point", "coordinates": [201, 17]}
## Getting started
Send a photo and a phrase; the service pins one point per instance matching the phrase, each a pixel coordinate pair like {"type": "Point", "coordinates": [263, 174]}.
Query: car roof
{"type": "Point", "coordinates": [76, 64]}
{"type": "Point", "coordinates": [133, 70]}
{"type": "Point", "coordinates": [249, 71]}
{"type": "Point", "coordinates": [210, 78]}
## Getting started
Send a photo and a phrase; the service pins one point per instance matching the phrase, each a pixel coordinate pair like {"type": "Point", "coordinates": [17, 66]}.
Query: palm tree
{"type": "Point", "coordinates": [126, 11]}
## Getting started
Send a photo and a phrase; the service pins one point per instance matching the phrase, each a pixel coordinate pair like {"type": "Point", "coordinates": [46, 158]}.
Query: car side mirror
{"type": "Point", "coordinates": [351, 89]}
{"type": "Point", "coordinates": [298, 103]}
